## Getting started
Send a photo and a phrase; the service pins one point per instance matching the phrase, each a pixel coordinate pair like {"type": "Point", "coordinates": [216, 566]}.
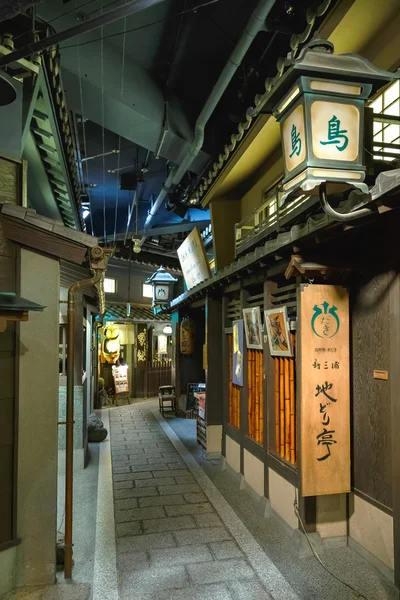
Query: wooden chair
{"type": "Point", "coordinates": [166, 395]}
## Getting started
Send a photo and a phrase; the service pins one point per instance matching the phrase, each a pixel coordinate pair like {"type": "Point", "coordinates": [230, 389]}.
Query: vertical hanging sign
{"type": "Point", "coordinates": [324, 390]}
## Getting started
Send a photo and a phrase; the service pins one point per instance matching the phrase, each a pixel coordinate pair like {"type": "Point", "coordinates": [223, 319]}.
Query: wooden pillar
{"type": "Point", "coordinates": [308, 505]}
{"type": "Point", "coordinates": [225, 365]}
{"type": "Point", "coordinates": [244, 420]}
{"type": "Point", "coordinates": [214, 322]}
{"type": "Point", "coordinates": [394, 378]}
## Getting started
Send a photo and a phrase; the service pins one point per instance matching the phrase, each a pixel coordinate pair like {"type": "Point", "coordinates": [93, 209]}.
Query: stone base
{"type": "Point", "coordinates": [72, 591]}
{"type": "Point", "coordinates": [301, 545]}
{"type": "Point", "coordinates": [79, 461]}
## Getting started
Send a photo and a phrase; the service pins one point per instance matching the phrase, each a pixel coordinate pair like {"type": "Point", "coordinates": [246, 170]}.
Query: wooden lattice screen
{"type": "Point", "coordinates": [234, 391]}
{"type": "Point", "coordinates": [285, 407]}
{"type": "Point", "coordinates": [255, 395]}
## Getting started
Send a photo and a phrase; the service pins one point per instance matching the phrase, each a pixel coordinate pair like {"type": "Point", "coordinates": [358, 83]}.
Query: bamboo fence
{"type": "Point", "coordinates": [255, 395]}
{"type": "Point", "coordinates": [234, 392]}
{"type": "Point", "coordinates": [285, 407]}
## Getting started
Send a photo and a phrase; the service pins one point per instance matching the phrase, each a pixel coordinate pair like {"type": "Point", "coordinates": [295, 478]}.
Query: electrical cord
{"type": "Point", "coordinates": [354, 590]}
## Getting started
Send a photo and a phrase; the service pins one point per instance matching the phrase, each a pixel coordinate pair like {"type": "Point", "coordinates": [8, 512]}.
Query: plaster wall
{"type": "Point", "coordinates": [332, 515]}
{"type": "Point", "coordinates": [282, 495]}
{"type": "Point", "coordinates": [214, 439]}
{"type": "Point", "coordinates": [7, 570]}
{"type": "Point", "coordinates": [254, 472]}
{"type": "Point", "coordinates": [372, 529]}
{"type": "Point", "coordinates": [271, 170]}
{"type": "Point", "coordinates": [232, 453]}
{"type": "Point", "coordinates": [38, 413]}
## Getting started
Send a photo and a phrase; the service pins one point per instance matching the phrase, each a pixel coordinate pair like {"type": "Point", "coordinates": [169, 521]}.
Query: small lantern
{"type": "Point", "coordinates": [163, 286]}
{"type": "Point", "coordinates": [319, 103]}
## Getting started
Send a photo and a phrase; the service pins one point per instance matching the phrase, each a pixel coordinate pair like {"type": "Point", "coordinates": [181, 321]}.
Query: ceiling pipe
{"type": "Point", "coordinates": [110, 16]}
{"type": "Point", "coordinates": [255, 24]}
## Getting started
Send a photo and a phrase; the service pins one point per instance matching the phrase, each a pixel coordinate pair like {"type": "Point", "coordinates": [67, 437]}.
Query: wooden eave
{"type": "Point", "coordinates": [26, 228]}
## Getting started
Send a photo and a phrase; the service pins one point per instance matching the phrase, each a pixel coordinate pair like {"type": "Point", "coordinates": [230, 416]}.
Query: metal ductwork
{"type": "Point", "coordinates": [255, 24]}
{"type": "Point", "coordinates": [106, 18]}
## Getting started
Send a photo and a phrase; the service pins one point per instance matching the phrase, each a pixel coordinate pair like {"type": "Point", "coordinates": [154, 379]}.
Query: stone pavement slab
{"type": "Point", "coordinates": [220, 570]}
{"type": "Point", "coordinates": [187, 509]}
{"type": "Point", "coordinates": [201, 592]}
{"type": "Point", "coordinates": [168, 501]}
{"type": "Point", "coordinates": [201, 536]}
{"type": "Point", "coordinates": [168, 524]}
{"type": "Point", "coordinates": [180, 555]}
{"type": "Point", "coordinates": [136, 583]}
{"type": "Point", "coordinates": [145, 542]}
{"type": "Point", "coordinates": [138, 514]}
{"type": "Point", "coordinates": [248, 590]}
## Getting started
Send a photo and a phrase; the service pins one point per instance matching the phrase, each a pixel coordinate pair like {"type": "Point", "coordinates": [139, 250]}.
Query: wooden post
{"type": "Point", "coordinates": [230, 376]}
{"type": "Point", "coordinates": [257, 419]}
{"type": "Point", "coordinates": [276, 363]}
{"type": "Point", "coordinates": [292, 408]}
{"type": "Point", "coordinates": [287, 410]}
{"type": "Point", "coordinates": [281, 408]}
{"type": "Point", "coordinates": [261, 365]}
{"type": "Point", "coordinates": [249, 390]}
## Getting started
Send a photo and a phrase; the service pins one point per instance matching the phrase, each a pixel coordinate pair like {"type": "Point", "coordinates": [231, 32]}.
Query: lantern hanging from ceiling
{"type": "Point", "coordinates": [163, 287]}
{"type": "Point", "coordinates": [187, 336]}
{"type": "Point", "coordinates": [320, 105]}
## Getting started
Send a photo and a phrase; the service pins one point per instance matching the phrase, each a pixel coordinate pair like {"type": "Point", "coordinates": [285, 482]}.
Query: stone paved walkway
{"type": "Point", "coordinates": [171, 541]}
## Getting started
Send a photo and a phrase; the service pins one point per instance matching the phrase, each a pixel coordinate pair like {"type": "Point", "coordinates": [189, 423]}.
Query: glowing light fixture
{"type": "Point", "coordinates": [320, 105]}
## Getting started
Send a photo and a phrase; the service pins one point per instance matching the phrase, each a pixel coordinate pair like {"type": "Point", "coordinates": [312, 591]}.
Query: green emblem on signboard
{"type": "Point", "coordinates": [325, 322]}
{"type": "Point", "coordinates": [296, 142]}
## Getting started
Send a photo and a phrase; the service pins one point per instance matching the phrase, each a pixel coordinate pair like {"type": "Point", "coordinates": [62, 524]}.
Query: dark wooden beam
{"type": "Point", "coordinates": [394, 377]}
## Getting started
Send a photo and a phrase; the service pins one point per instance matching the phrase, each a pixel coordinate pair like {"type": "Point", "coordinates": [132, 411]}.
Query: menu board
{"type": "Point", "coordinates": [324, 390]}
{"type": "Point", "coordinates": [191, 389]}
{"type": "Point", "coordinates": [120, 375]}
{"type": "Point", "coordinates": [193, 259]}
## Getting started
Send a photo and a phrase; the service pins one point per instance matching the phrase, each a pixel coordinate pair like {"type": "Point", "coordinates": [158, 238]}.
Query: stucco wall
{"type": "Point", "coordinates": [254, 472]}
{"type": "Point", "coordinates": [38, 415]}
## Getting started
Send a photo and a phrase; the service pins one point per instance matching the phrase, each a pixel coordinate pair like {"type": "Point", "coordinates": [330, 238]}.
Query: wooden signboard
{"type": "Point", "coordinates": [324, 390]}
{"type": "Point", "coordinates": [193, 259]}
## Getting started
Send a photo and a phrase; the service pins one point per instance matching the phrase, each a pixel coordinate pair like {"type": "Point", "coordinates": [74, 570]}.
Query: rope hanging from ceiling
{"type": "Point", "coordinates": [102, 126]}
{"type": "Point", "coordinates": [119, 137]}
{"type": "Point", "coordinates": [84, 139]}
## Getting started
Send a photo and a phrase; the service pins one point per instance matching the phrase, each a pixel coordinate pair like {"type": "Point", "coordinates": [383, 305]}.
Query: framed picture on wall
{"type": "Point", "coordinates": [277, 329]}
{"type": "Point", "coordinates": [253, 327]}
{"type": "Point", "coordinates": [237, 358]}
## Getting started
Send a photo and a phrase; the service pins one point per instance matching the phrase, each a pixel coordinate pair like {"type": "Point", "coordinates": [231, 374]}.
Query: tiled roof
{"type": "Point", "coordinates": [297, 41]}
{"type": "Point", "coordinates": [139, 313]}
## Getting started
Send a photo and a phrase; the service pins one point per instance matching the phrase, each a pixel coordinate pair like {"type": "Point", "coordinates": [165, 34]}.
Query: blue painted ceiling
{"type": "Point", "coordinates": [144, 80]}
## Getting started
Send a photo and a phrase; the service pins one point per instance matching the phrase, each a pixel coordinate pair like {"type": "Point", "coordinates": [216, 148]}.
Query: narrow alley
{"type": "Point", "coordinates": [199, 300]}
{"type": "Point", "coordinates": [185, 530]}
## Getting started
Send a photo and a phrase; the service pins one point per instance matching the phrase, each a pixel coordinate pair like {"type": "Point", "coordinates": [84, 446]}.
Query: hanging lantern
{"type": "Point", "coordinates": [319, 103]}
{"type": "Point", "coordinates": [188, 330]}
{"type": "Point", "coordinates": [111, 346]}
{"type": "Point", "coordinates": [163, 287]}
